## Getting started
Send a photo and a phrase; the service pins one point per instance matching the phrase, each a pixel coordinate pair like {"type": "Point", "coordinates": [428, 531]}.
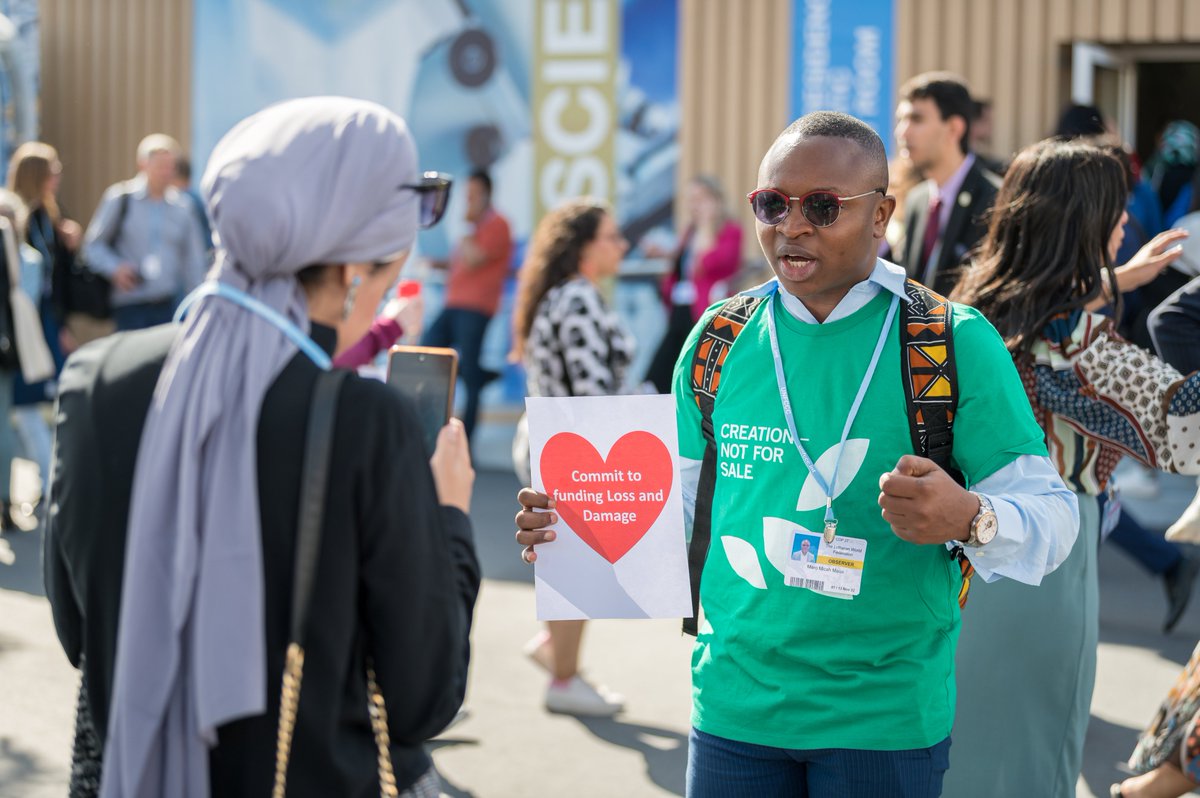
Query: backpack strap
{"type": "Point", "coordinates": [930, 379]}
{"type": "Point", "coordinates": [707, 359]}
{"type": "Point", "coordinates": [930, 376]}
{"type": "Point", "coordinates": [114, 234]}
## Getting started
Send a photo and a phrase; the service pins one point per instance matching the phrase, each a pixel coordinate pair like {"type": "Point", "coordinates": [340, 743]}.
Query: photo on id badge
{"type": "Point", "coordinates": [831, 569]}
{"type": "Point", "coordinates": [805, 548]}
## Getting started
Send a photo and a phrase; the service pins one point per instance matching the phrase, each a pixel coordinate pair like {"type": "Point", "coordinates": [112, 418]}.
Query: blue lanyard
{"type": "Point", "coordinates": [216, 288]}
{"type": "Point", "coordinates": [830, 487]}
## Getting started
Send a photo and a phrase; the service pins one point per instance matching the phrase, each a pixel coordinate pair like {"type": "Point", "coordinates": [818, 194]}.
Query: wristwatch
{"type": "Point", "coordinates": [984, 525]}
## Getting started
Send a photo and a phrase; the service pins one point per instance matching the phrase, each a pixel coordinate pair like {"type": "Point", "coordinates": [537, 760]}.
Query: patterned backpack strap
{"type": "Point", "coordinates": [930, 375]}
{"type": "Point", "coordinates": [707, 359]}
{"type": "Point", "coordinates": [930, 381]}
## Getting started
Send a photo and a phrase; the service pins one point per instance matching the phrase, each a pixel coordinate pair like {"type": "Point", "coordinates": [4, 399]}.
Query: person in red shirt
{"type": "Point", "coordinates": [478, 268]}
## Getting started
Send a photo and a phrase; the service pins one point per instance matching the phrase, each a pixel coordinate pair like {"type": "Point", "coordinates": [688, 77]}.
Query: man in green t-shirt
{"type": "Point", "coordinates": [834, 675]}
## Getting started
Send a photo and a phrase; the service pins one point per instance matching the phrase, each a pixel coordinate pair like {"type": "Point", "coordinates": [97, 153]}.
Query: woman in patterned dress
{"type": "Point", "coordinates": [1027, 656]}
{"type": "Point", "coordinates": [571, 344]}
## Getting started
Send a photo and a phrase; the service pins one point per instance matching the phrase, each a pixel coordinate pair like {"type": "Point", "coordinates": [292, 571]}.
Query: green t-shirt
{"type": "Point", "coordinates": [788, 667]}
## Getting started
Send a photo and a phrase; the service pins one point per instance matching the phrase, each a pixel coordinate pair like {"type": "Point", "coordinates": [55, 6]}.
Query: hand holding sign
{"type": "Point", "coordinates": [608, 503]}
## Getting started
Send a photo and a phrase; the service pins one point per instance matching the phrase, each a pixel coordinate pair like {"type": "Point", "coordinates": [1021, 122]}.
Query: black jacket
{"type": "Point", "coordinates": [964, 230]}
{"type": "Point", "coordinates": [397, 575]}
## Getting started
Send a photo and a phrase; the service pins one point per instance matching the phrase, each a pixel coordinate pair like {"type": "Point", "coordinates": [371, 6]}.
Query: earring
{"type": "Point", "coordinates": [348, 306]}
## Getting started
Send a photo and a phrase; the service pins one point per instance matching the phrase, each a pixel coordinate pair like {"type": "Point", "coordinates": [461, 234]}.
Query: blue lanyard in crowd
{"type": "Point", "coordinates": [830, 487]}
{"type": "Point", "coordinates": [214, 287]}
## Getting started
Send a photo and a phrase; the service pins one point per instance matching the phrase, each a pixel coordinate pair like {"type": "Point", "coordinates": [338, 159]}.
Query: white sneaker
{"type": "Point", "coordinates": [577, 697]}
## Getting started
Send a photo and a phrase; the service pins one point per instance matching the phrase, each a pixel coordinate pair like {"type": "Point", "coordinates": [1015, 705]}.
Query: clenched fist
{"type": "Point", "coordinates": [923, 504]}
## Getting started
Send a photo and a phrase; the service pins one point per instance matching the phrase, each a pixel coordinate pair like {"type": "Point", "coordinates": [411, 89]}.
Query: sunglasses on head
{"type": "Point", "coordinates": [433, 192]}
{"type": "Point", "coordinates": [821, 208]}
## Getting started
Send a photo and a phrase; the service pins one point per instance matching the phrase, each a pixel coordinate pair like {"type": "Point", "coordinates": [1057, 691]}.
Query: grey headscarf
{"type": "Point", "coordinates": [303, 182]}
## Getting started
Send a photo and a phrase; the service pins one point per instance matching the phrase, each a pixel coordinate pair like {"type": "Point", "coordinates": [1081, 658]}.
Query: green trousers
{"type": "Point", "coordinates": [1025, 669]}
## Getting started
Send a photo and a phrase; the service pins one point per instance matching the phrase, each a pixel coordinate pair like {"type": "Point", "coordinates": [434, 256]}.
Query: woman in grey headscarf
{"type": "Point", "coordinates": [171, 542]}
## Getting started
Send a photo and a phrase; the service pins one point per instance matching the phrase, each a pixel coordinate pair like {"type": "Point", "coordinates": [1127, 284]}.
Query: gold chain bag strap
{"type": "Point", "coordinates": [315, 478]}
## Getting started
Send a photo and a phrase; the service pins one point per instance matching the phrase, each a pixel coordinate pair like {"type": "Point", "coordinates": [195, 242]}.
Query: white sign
{"type": "Point", "coordinates": [611, 465]}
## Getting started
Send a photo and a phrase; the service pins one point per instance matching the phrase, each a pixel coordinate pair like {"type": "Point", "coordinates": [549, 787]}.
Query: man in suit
{"type": "Point", "coordinates": [944, 215]}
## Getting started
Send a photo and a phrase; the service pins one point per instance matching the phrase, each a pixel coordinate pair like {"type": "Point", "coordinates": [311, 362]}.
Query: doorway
{"type": "Point", "coordinates": [1140, 88]}
{"type": "Point", "coordinates": [1166, 91]}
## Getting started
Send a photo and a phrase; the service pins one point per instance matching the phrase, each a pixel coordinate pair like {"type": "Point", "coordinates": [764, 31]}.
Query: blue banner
{"type": "Point", "coordinates": [843, 60]}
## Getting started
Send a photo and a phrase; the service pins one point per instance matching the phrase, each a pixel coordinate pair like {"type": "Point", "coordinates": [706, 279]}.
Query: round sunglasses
{"type": "Point", "coordinates": [821, 208]}
{"type": "Point", "coordinates": [433, 192]}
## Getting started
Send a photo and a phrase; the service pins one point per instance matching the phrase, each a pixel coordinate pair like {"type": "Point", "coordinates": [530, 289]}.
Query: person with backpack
{"type": "Point", "coordinates": [1046, 263]}
{"type": "Point", "coordinates": [871, 398]}
{"type": "Point", "coordinates": [145, 239]}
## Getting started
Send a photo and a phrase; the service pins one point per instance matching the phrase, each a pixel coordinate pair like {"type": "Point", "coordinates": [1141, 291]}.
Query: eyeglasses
{"type": "Point", "coordinates": [433, 192]}
{"type": "Point", "coordinates": [821, 208]}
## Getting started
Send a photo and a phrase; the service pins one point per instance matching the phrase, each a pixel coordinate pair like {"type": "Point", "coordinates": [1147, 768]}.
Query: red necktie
{"type": "Point", "coordinates": [931, 231]}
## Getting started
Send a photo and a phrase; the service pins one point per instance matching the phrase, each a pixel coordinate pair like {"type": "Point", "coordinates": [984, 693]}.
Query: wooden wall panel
{"type": "Point", "coordinates": [1139, 25]}
{"type": "Point", "coordinates": [1168, 17]}
{"type": "Point", "coordinates": [1033, 64]}
{"type": "Point", "coordinates": [1087, 18]}
{"type": "Point", "coordinates": [734, 94]}
{"type": "Point", "coordinates": [1058, 29]}
{"type": "Point", "coordinates": [979, 34]}
{"type": "Point", "coordinates": [1189, 28]}
{"type": "Point", "coordinates": [113, 71]}
{"type": "Point", "coordinates": [956, 43]}
{"type": "Point", "coordinates": [1112, 20]}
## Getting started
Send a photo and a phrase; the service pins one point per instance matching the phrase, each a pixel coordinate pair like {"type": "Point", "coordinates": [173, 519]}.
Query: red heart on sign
{"type": "Point", "coordinates": [598, 497]}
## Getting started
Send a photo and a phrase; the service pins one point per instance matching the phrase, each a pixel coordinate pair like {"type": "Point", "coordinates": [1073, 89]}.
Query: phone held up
{"type": "Point", "coordinates": [426, 375]}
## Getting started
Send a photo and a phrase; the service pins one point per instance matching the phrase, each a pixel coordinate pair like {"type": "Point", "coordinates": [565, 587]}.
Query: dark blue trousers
{"type": "Point", "coordinates": [144, 314]}
{"type": "Point", "coordinates": [1153, 552]}
{"type": "Point", "coordinates": [720, 768]}
{"type": "Point", "coordinates": [464, 330]}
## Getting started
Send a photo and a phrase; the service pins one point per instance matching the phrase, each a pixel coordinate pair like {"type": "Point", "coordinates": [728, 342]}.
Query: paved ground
{"type": "Point", "coordinates": [509, 747]}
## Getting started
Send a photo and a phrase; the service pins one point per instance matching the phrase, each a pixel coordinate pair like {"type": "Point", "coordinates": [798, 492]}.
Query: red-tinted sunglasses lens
{"type": "Point", "coordinates": [769, 206]}
{"type": "Point", "coordinates": [821, 208]}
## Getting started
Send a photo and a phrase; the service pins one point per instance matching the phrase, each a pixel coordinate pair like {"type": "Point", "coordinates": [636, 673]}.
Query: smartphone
{"type": "Point", "coordinates": [426, 375]}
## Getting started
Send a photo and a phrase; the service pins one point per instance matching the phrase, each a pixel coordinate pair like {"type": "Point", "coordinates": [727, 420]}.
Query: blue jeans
{"type": "Point", "coordinates": [464, 330]}
{"type": "Point", "coordinates": [144, 314]}
{"type": "Point", "coordinates": [720, 768]}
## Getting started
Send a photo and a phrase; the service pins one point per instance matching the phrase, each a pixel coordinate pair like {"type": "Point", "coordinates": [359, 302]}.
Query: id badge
{"type": "Point", "coordinates": [833, 569]}
{"type": "Point", "coordinates": [151, 267]}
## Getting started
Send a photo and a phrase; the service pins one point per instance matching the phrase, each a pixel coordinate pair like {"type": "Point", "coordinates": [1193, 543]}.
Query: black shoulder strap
{"type": "Point", "coordinates": [314, 479]}
{"type": "Point", "coordinates": [707, 359]}
{"type": "Point", "coordinates": [119, 222]}
{"type": "Point", "coordinates": [930, 375]}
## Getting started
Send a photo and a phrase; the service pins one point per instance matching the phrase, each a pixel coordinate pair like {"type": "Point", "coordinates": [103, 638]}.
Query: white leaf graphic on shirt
{"type": "Point", "coordinates": [777, 540]}
{"type": "Point", "coordinates": [744, 560]}
{"type": "Point", "coordinates": [811, 495]}
{"type": "Point", "coordinates": [705, 627]}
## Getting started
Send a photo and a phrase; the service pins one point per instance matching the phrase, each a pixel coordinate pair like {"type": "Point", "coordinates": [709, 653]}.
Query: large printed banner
{"type": "Point", "coordinates": [843, 60]}
{"type": "Point", "coordinates": [574, 100]}
{"type": "Point", "coordinates": [555, 98]}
